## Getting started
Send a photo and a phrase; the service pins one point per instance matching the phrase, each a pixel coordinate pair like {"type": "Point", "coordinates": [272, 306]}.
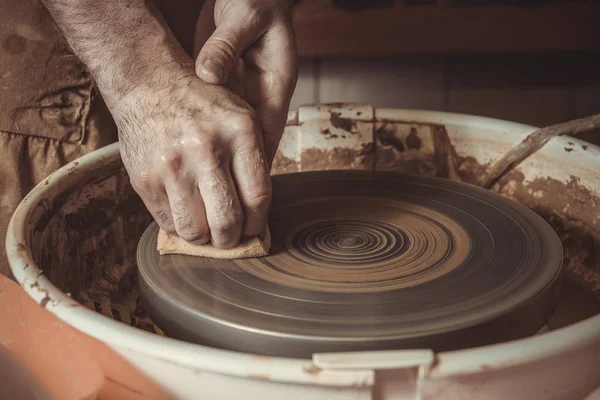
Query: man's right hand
{"type": "Point", "coordinates": [194, 154]}
{"type": "Point", "coordinates": [193, 150]}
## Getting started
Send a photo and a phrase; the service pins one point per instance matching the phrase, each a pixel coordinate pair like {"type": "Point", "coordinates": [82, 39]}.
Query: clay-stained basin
{"type": "Point", "coordinates": [71, 244]}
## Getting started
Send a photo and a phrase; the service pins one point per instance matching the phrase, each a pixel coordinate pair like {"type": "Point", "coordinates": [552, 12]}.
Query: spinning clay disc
{"type": "Point", "coordinates": [363, 260]}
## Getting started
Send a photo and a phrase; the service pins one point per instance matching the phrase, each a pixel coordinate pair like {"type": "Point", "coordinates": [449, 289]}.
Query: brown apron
{"type": "Point", "coordinates": [50, 112]}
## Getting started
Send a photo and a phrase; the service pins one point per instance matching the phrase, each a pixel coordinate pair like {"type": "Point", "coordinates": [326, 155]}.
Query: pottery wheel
{"type": "Point", "coordinates": [365, 261]}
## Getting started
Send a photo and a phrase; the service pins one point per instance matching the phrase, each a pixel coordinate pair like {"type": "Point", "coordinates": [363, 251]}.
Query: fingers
{"type": "Point", "coordinates": [155, 198]}
{"type": "Point", "coordinates": [253, 182]}
{"type": "Point", "coordinates": [203, 174]}
{"type": "Point", "coordinates": [223, 210]}
{"type": "Point", "coordinates": [237, 29]}
{"type": "Point", "coordinates": [265, 41]}
{"type": "Point", "coordinates": [234, 181]}
{"type": "Point", "coordinates": [187, 208]}
{"type": "Point", "coordinates": [196, 196]}
{"type": "Point", "coordinates": [212, 186]}
{"type": "Point", "coordinates": [272, 73]}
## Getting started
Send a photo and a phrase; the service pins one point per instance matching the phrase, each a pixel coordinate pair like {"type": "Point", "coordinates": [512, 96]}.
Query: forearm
{"type": "Point", "coordinates": [124, 44]}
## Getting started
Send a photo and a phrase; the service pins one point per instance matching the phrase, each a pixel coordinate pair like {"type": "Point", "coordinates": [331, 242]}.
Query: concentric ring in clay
{"type": "Point", "coordinates": [365, 261]}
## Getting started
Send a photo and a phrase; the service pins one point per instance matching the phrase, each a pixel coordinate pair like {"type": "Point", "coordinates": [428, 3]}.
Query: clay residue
{"type": "Point", "coordinates": [342, 123]}
{"type": "Point", "coordinates": [570, 201]}
{"type": "Point", "coordinates": [87, 247]}
{"type": "Point", "coordinates": [367, 149]}
{"type": "Point", "coordinates": [327, 133]}
{"type": "Point", "coordinates": [312, 370]}
{"type": "Point", "coordinates": [73, 167]}
{"type": "Point", "coordinates": [393, 155]}
{"type": "Point", "coordinates": [413, 141]}
{"type": "Point", "coordinates": [283, 165]}
{"type": "Point", "coordinates": [405, 162]}
{"type": "Point", "coordinates": [445, 157]}
{"type": "Point", "coordinates": [386, 136]}
{"type": "Point", "coordinates": [570, 208]}
{"type": "Point", "coordinates": [471, 171]}
{"type": "Point", "coordinates": [573, 211]}
{"type": "Point", "coordinates": [314, 159]}
{"type": "Point", "coordinates": [260, 377]}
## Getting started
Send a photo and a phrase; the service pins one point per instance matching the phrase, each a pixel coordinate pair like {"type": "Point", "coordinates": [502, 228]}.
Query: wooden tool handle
{"type": "Point", "coordinates": [535, 141]}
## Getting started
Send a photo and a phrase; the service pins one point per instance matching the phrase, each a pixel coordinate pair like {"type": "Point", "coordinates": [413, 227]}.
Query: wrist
{"type": "Point", "coordinates": [140, 86]}
{"type": "Point", "coordinates": [157, 84]}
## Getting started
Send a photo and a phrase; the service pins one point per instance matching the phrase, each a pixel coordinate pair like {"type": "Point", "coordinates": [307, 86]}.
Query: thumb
{"type": "Point", "coordinates": [221, 52]}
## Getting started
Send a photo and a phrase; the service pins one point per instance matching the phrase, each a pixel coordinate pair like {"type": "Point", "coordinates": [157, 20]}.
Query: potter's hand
{"type": "Point", "coordinates": [194, 154]}
{"type": "Point", "coordinates": [250, 46]}
{"type": "Point", "coordinates": [193, 150]}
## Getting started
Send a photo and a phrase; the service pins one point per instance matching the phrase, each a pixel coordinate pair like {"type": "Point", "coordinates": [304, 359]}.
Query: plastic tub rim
{"type": "Point", "coordinates": [199, 357]}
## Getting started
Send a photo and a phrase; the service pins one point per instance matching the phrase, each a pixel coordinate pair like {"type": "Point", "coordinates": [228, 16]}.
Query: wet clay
{"type": "Point", "coordinates": [413, 142]}
{"type": "Point", "coordinates": [570, 208]}
{"type": "Point", "coordinates": [574, 213]}
{"type": "Point", "coordinates": [345, 124]}
{"type": "Point", "coordinates": [363, 263]}
{"type": "Point", "coordinates": [313, 159]}
{"type": "Point", "coordinates": [392, 154]}
{"type": "Point", "coordinates": [86, 246]}
{"type": "Point", "coordinates": [284, 165]}
{"type": "Point", "coordinates": [444, 154]}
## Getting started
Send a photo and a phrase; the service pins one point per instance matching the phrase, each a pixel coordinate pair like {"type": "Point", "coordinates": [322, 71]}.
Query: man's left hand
{"type": "Point", "coordinates": [249, 45]}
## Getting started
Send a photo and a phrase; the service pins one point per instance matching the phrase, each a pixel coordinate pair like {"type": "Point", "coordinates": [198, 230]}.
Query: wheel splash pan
{"type": "Point", "coordinates": [72, 242]}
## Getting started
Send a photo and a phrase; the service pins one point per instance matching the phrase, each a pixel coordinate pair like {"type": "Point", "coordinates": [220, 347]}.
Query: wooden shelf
{"type": "Point", "coordinates": [325, 31]}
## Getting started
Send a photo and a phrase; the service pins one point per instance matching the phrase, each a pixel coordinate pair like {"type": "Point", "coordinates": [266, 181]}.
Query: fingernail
{"type": "Point", "coordinates": [212, 70]}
